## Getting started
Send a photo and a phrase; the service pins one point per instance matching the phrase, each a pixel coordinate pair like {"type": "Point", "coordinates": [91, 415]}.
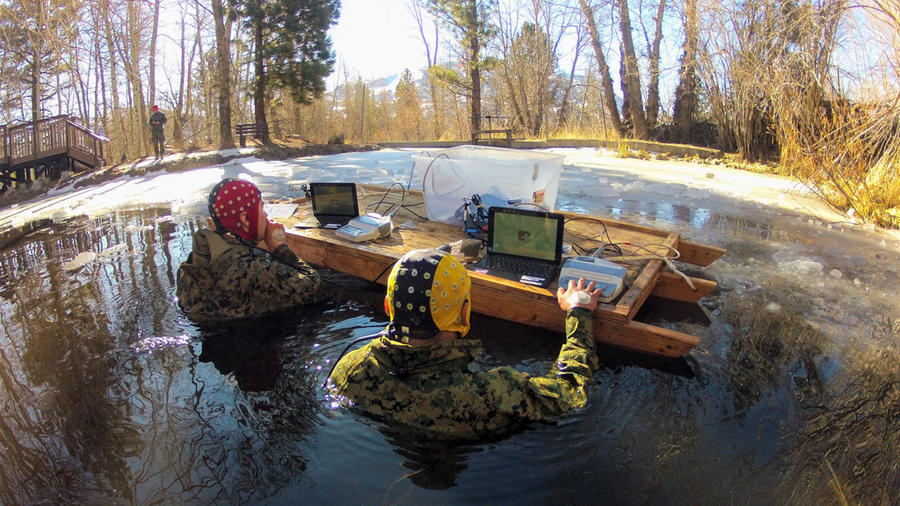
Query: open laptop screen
{"type": "Point", "coordinates": [524, 233]}
{"type": "Point", "coordinates": [334, 199]}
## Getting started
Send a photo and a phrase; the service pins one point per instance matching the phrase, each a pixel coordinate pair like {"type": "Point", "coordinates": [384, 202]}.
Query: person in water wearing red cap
{"type": "Point", "coordinates": [157, 134]}
{"type": "Point", "coordinates": [417, 373]}
{"type": "Point", "coordinates": [243, 267]}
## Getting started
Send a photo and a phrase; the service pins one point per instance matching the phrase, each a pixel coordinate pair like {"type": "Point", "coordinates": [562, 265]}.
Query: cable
{"type": "Point", "coordinates": [393, 204]}
{"type": "Point", "coordinates": [410, 211]}
{"type": "Point", "coordinates": [358, 339]}
{"type": "Point", "coordinates": [588, 218]}
{"type": "Point", "coordinates": [427, 170]}
{"type": "Point", "coordinates": [532, 204]}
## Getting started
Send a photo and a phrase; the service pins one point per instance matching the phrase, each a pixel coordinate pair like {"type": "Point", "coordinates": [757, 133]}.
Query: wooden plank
{"type": "Point", "coordinates": [643, 285]}
{"type": "Point", "coordinates": [671, 286]}
{"type": "Point", "coordinates": [698, 254]}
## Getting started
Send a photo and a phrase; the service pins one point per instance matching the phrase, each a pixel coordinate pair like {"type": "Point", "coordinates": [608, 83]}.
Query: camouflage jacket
{"type": "Point", "coordinates": [225, 278]}
{"type": "Point", "coordinates": [430, 388]}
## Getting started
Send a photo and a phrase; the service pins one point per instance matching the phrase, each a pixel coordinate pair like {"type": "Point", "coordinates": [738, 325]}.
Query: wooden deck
{"type": "Point", "coordinates": [614, 323]}
{"type": "Point", "coordinates": [62, 144]}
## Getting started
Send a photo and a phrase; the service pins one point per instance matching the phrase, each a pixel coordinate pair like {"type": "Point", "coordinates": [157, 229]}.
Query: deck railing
{"type": "Point", "coordinates": [56, 136]}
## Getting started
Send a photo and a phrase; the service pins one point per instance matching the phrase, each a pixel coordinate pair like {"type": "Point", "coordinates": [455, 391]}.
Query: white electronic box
{"type": "Point", "coordinates": [607, 275]}
{"type": "Point", "coordinates": [366, 227]}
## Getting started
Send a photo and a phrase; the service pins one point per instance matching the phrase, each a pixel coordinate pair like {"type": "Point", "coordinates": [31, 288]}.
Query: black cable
{"type": "Point", "coordinates": [410, 211]}
{"type": "Point", "coordinates": [384, 197]}
{"type": "Point", "coordinates": [358, 339]}
{"type": "Point", "coordinates": [587, 218]}
{"type": "Point", "coordinates": [371, 284]}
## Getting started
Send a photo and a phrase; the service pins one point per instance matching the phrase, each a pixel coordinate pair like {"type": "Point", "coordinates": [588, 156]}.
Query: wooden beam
{"type": "Point", "coordinates": [671, 286]}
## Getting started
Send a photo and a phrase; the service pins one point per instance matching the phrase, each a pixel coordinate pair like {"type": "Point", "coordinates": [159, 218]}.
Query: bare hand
{"type": "Point", "coordinates": [274, 235]}
{"type": "Point", "coordinates": [578, 295]}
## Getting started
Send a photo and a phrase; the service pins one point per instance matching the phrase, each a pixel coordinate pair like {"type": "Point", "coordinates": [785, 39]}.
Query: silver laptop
{"type": "Point", "coordinates": [523, 245]}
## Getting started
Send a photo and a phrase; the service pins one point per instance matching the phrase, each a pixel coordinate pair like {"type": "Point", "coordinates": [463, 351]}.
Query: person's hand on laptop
{"type": "Point", "coordinates": [578, 295]}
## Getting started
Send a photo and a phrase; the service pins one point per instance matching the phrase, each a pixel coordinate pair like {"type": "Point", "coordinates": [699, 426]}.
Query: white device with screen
{"type": "Point", "coordinates": [366, 227]}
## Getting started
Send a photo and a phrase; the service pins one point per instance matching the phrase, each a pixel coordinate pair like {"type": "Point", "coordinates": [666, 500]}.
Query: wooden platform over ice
{"type": "Point", "coordinates": [614, 323]}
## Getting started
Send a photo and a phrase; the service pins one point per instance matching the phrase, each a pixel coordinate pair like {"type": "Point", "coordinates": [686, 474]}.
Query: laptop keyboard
{"type": "Point", "coordinates": [327, 219]}
{"type": "Point", "coordinates": [519, 265]}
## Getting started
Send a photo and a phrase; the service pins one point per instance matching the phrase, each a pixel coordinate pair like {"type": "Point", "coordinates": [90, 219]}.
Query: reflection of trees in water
{"type": "Point", "coordinates": [66, 385]}
{"type": "Point", "coordinates": [845, 435]}
{"type": "Point", "coordinates": [240, 441]}
{"type": "Point", "coordinates": [71, 414]}
{"type": "Point", "coordinates": [769, 347]}
{"type": "Point", "coordinates": [849, 449]}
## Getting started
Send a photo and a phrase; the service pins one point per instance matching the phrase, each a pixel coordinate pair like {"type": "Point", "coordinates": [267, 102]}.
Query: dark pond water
{"type": "Point", "coordinates": [109, 395]}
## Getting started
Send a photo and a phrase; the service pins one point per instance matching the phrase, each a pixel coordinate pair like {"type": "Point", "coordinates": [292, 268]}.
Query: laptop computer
{"type": "Point", "coordinates": [523, 245]}
{"type": "Point", "coordinates": [334, 204]}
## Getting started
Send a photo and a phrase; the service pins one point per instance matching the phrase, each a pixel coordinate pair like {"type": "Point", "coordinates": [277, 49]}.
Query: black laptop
{"type": "Point", "coordinates": [334, 204]}
{"type": "Point", "coordinates": [523, 245]}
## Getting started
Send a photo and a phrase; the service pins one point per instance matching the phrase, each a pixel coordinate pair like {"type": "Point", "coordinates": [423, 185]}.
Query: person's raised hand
{"type": "Point", "coordinates": [274, 235]}
{"type": "Point", "coordinates": [578, 295]}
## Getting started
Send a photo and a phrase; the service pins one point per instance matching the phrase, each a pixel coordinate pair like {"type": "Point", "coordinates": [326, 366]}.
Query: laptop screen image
{"type": "Point", "coordinates": [526, 233]}
{"type": "Point", "coordinates": [334, 199]}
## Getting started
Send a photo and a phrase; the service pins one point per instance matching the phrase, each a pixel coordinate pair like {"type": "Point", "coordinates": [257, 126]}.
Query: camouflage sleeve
{"type": "Point", "coordinates": [267, 283]}
{"type": "Point", "coordinates": [564, 388]}
{"type": "Point", "coordinates": [285, 254]}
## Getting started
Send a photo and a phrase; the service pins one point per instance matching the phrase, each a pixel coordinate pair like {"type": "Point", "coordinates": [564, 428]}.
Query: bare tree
{"type": "Point", "coordinates": [418, 9]}
{"type": "Point", "coordinates": [686, 92]}
{"type": "Point", "coordinates": [609, 95]}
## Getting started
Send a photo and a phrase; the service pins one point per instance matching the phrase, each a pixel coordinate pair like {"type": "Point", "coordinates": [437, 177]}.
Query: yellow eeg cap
{"type": "Point", "coordinates": [426, 290]}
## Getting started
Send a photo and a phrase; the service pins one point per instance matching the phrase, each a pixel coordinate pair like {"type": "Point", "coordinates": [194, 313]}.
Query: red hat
{"type": "Point", "coordinates": [229, 199]}
{"type": "Point", "coordinates": [155, 107]}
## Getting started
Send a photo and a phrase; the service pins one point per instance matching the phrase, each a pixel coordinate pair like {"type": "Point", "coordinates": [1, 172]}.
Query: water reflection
{"type": "Point", "coordinates": [109, 395]}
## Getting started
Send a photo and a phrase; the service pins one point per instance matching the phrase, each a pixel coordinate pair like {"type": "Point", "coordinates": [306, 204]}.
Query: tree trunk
{"type": "Point", "coordinates": [223, 74]}
{"type": "Point", "coordinates": [475, 74]}
{"type": "Point", "coordinates": [134, 75]}
{"type": "Point", "coordinates": [436, 121]}
{"type": "Point", "coordinates": [36, 96]}
{"type": "Point", "coordinates": [118, 118]}
{"type": "Point", "coordinates": [653, 86]}
{"type": "Point", "coordinates": [685, 93]}
{"type": "Point", "coordinates": [632, 75]}
{"type": "Point", "coordinates": [259, 83]}
{"type": "Point", "coordinates": [609, 95]}
{"type": "Point", "coordinates": [153, 37]}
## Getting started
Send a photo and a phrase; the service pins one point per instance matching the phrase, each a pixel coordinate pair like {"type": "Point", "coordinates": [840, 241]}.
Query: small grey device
{"type": "Point", "coordinates": [608, 276]}
{"type": "Point", "coordinates": [366, 227]}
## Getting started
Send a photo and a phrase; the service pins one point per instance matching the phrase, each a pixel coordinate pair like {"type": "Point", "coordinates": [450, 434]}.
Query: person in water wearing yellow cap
{"type": "Point", "coordinates": [243, 267]}
{"type": "Point", "coordinates": [416, 373]}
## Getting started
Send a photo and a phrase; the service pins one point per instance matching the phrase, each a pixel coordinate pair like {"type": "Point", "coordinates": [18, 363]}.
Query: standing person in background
{"type": "Point", "coordinates": [157, 135]}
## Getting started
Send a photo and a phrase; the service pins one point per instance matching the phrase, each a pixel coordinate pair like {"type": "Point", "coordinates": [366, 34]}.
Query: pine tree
{"type": "Point", "coordinates": [292, 50]}
{"type": "Point", "coordinates": [469, 22]}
